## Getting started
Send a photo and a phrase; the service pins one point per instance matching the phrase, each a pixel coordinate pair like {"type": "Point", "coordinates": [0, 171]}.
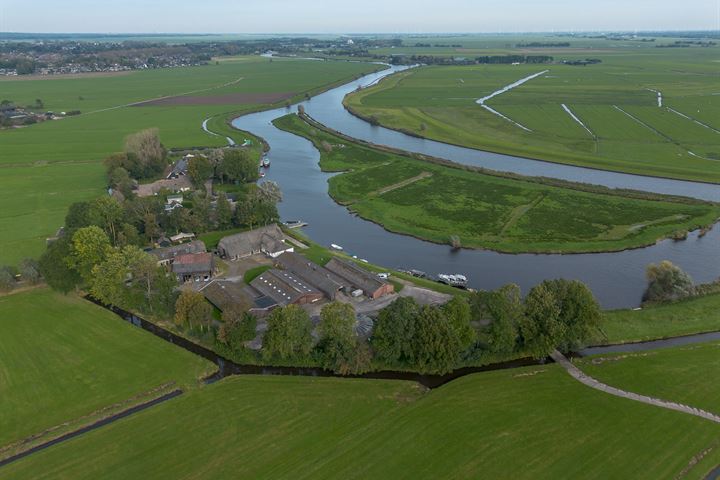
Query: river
{"type": "Point", "coordinates": [617, 279]}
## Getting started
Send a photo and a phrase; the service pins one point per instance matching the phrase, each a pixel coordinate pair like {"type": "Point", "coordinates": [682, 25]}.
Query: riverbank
{"type": "Point", "coordinates": [397, 104]}
{"type": "Point", "coordinates": [499, 211]}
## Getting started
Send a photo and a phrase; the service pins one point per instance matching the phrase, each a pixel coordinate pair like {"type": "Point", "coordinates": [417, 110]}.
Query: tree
{"type": "Point", "coordinates": [192, 310]}
{"type": "Point", "coordinates": [128, 235]}
{"type": "Point", "coordinates": [436, 344]}
{"type": "Point", "coordinates": [90, 245]}
{"type": "Point", "coordinates": [78, 216]}
{"type": "Point", "coordinates": [201, 212]}
{"type": "Point", "coordinates": [120, 180]}
{"type": "Point", "coordinates": [238, 167]}
{"type": "Point", "coordinates": [579, 312]}
{"type": "Point", "coordinates": [107, 213]}
{"type": "Point", "coordinates": [7, 279]}
{"type": "Point", "coordinates": [55, 266]}
{"type": "Point", "coordinates": [457, 311]}
{"type": "Point", "coordinates": [288, 334]}
{"type": "Point", "coordinates": [393, 332]}
{"type": "Point", "coordinates": [223, 212]}
{"type": "Point", "coordinates": [109, 277]}
{"type": "Point", "coordinates": [506, 311]}
{"type": "Point", "coordinates": [540, 328]}
{"type": "Point", "coordinates": [337, 322]}
{"type": "Point", "coordinates": [667, 282]}
{"type": "Point", "coordinates": [145, 150]}
{"type": "Point", "coordinates": [269, 191]}
{"type": "Point", "coordinates": [238, 327]}
{"type": "Point", "coordinates": [199, 170]}
{"type": "Point", "coordinates": [30, 270]}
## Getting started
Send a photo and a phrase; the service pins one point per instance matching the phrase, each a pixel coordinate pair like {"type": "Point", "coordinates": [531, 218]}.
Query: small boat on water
{"type": "Point", "coordinates": [295, 223]}
{"type": "Point", "coordinates": [265, 163]}
{"type": "Point", "coordinates": [336, 247]}
{"type": "Point", "coordinates": [454, 280]}
{"type": "Point", "coordinates": [262, 174]}
{"type": "Point", "coordinates": [415, 273]}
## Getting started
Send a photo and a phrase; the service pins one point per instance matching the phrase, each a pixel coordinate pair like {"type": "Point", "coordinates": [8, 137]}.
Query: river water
{"type": "Point", "coordinates": [617, 279]}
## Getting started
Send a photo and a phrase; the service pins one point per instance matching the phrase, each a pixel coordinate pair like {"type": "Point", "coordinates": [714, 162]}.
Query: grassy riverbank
{"type": "Point", "coordinates": [433, 201]}
{"type": "Point", "coordinates": [65, 360]}
{"type": "Point", "coordinates": [686, 317]}
{"type": "Point", "coordinates": [285, 427]}
{"type": "Point", "coordinates": [46, 167]}
{"type": "Point", "coordinates": [616, 100]}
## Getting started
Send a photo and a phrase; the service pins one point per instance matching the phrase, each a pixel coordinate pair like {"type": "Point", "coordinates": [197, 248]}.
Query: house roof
{"type": "Point", "coordinates": [193, 263]}
{"type": "Point", "coordinates": [321, 278]}
{"type": "Point", "coordinates": [245, 243]}
{"type": "Point", "coordinates": [282, 286]}
{"type": "Point", "coordinates": [170, 253]}
{"type": "Point", "coordinates": [223, 293]}
{"type": "Point", "coordinates": [358, 277]}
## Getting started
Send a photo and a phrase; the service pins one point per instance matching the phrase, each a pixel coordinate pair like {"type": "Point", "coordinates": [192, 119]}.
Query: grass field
{"type": "Point", "coordinates": [526, 423]}
{"type": "Point", "coordinates": [62, 358]}
{"type": "Point", "coordinates": [432, 202]}
{"type": "Point", "coordinates": [46, 167]}
{"type": "Point", "coordinates": [438, 102]}
{"type": "Point", "coordinates": [682, 318]}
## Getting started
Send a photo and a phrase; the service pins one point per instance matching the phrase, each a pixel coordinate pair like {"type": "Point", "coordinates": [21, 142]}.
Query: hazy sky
{"type": "Point", "coordinates": [344, 16]}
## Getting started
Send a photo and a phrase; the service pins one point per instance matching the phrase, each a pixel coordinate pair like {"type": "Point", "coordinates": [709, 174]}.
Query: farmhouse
{"type": "Point", "coordinates": [284, 288]}
{"type": "Point", "coordinates": [167, 255]}
{"type": "Point", "coordinates": [322, 279]}
{"type": "Point", "coordinates": [357, 278]}
{"type": "Point", "coordinates": [193, 267]}
{"type": "Point", "coordinates": [268, 240]}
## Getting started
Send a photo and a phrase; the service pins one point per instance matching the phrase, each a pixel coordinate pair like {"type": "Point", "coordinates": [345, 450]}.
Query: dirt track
{"type": "Point", "coordinates": [228, 99]}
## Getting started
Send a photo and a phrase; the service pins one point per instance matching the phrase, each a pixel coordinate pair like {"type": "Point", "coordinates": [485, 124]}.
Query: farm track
{"type": "Point", "coordinates": [591, 382]}
{"type": "Point", "coordinates": [402, 184]}
{"type": "Point", "coordinates": [141, 102]}
{"type": "Point", "coordinates": [93, 426]}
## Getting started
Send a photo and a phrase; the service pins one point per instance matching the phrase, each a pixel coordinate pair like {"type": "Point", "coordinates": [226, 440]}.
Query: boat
{"type": "Point", "coordinates": [336, 247]}
{"type": "Point", "coordinates": [262, 174]}
{"type": "Point", "coordinates": [265, 163]}
{"type": "Point", "coordinates": [454, 280]}
{"type": "Point", "coordinates": [295, 223]}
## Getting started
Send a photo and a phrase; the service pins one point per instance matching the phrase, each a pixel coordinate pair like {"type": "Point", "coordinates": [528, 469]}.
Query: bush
{"type": "Point", "coordinates": [667, 282]}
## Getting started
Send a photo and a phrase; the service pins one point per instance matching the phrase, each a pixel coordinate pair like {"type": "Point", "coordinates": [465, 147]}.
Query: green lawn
{"type": "Point", "coordinates": [530, 423]}
{"type": "Point", "coordinates": [70, 150]}
{"type": "Point", "coordinates": [681, 374]}
{"type": "Point", "coordinates": [671, 320]}
{"type": "Point", "coordinates": [432, 202]}
{"type": "Point", "coordinates": [62, 358]}
{"type": "Point", "coordinates": [438, 102]}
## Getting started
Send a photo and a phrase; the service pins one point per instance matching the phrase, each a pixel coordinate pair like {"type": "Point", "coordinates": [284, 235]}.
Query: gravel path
{"type": "Point", "coordinates": [577, 374]}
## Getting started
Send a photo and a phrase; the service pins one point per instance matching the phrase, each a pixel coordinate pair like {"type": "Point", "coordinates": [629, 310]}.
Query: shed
{"type": "Point", "coordinates": [268, 240]}
{"type": "Point", "coordinates": [315, 275]}
{"type": "Point", "coordinates": [359, 278]}
{"type": "Point", "coordinates": [197, 267]}
{"type": "Point", "coordinates": [285, 288]}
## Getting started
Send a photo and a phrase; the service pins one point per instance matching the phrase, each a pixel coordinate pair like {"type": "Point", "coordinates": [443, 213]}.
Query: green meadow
{"type": "Point", "coordinates": [433, 201]}
{"type": "Point", "coordinates": [640, 137]}
{"type": "Point", "coordinates": [46, 167]}
{"type": "Point", "coordinates": [66, 361]}
{"type": "Point", "coordinates": [532, 423]}
{"type": "Point", "coordinates": [695, 315]}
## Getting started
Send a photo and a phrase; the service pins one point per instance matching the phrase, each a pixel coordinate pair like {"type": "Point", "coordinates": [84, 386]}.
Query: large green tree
{"type": "Point", "coordinates": [436, 343]}
{"type": "Point", "coordinates": [506, 310]}
{"type": "Point", "coordinates": [55, 266]}
{"type": "Point", "coordinates": [288, 335]}
{"type": "Point", "coordinates": [579, 312]}
{"type": "Point", "coordinates": [90, 246]}
{"type": "Point", "coordinates": [393, 332]}
{"type": "Point", "coordinates": [540, 328]}
{"type": "Point", "coordinates": [192, 310]}
{"type": "Point", "coordinates": [667, 282]}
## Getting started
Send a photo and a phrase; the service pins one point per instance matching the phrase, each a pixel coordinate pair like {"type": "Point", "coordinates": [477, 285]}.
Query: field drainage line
{"type": "Point", "coordinates": [93, 426]}
{"type": "Point", "coordinates": [591, 382]}
{"type": "Point", "coordinates": [693, 120]}
{"type": "Point", "coordinates": [575, 117]}
{"type": "Point", "coordinates": [507, 88]}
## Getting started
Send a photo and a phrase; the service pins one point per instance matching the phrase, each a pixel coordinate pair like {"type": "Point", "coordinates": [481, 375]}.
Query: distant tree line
{"type": "Point", "coordinates": [509, 59]}
{"type": "Point", "coordinates": [542, 44]}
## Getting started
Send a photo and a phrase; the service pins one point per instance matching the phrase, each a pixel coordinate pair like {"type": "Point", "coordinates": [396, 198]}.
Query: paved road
{"type": "Point", "coordinates": [577, 374]}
